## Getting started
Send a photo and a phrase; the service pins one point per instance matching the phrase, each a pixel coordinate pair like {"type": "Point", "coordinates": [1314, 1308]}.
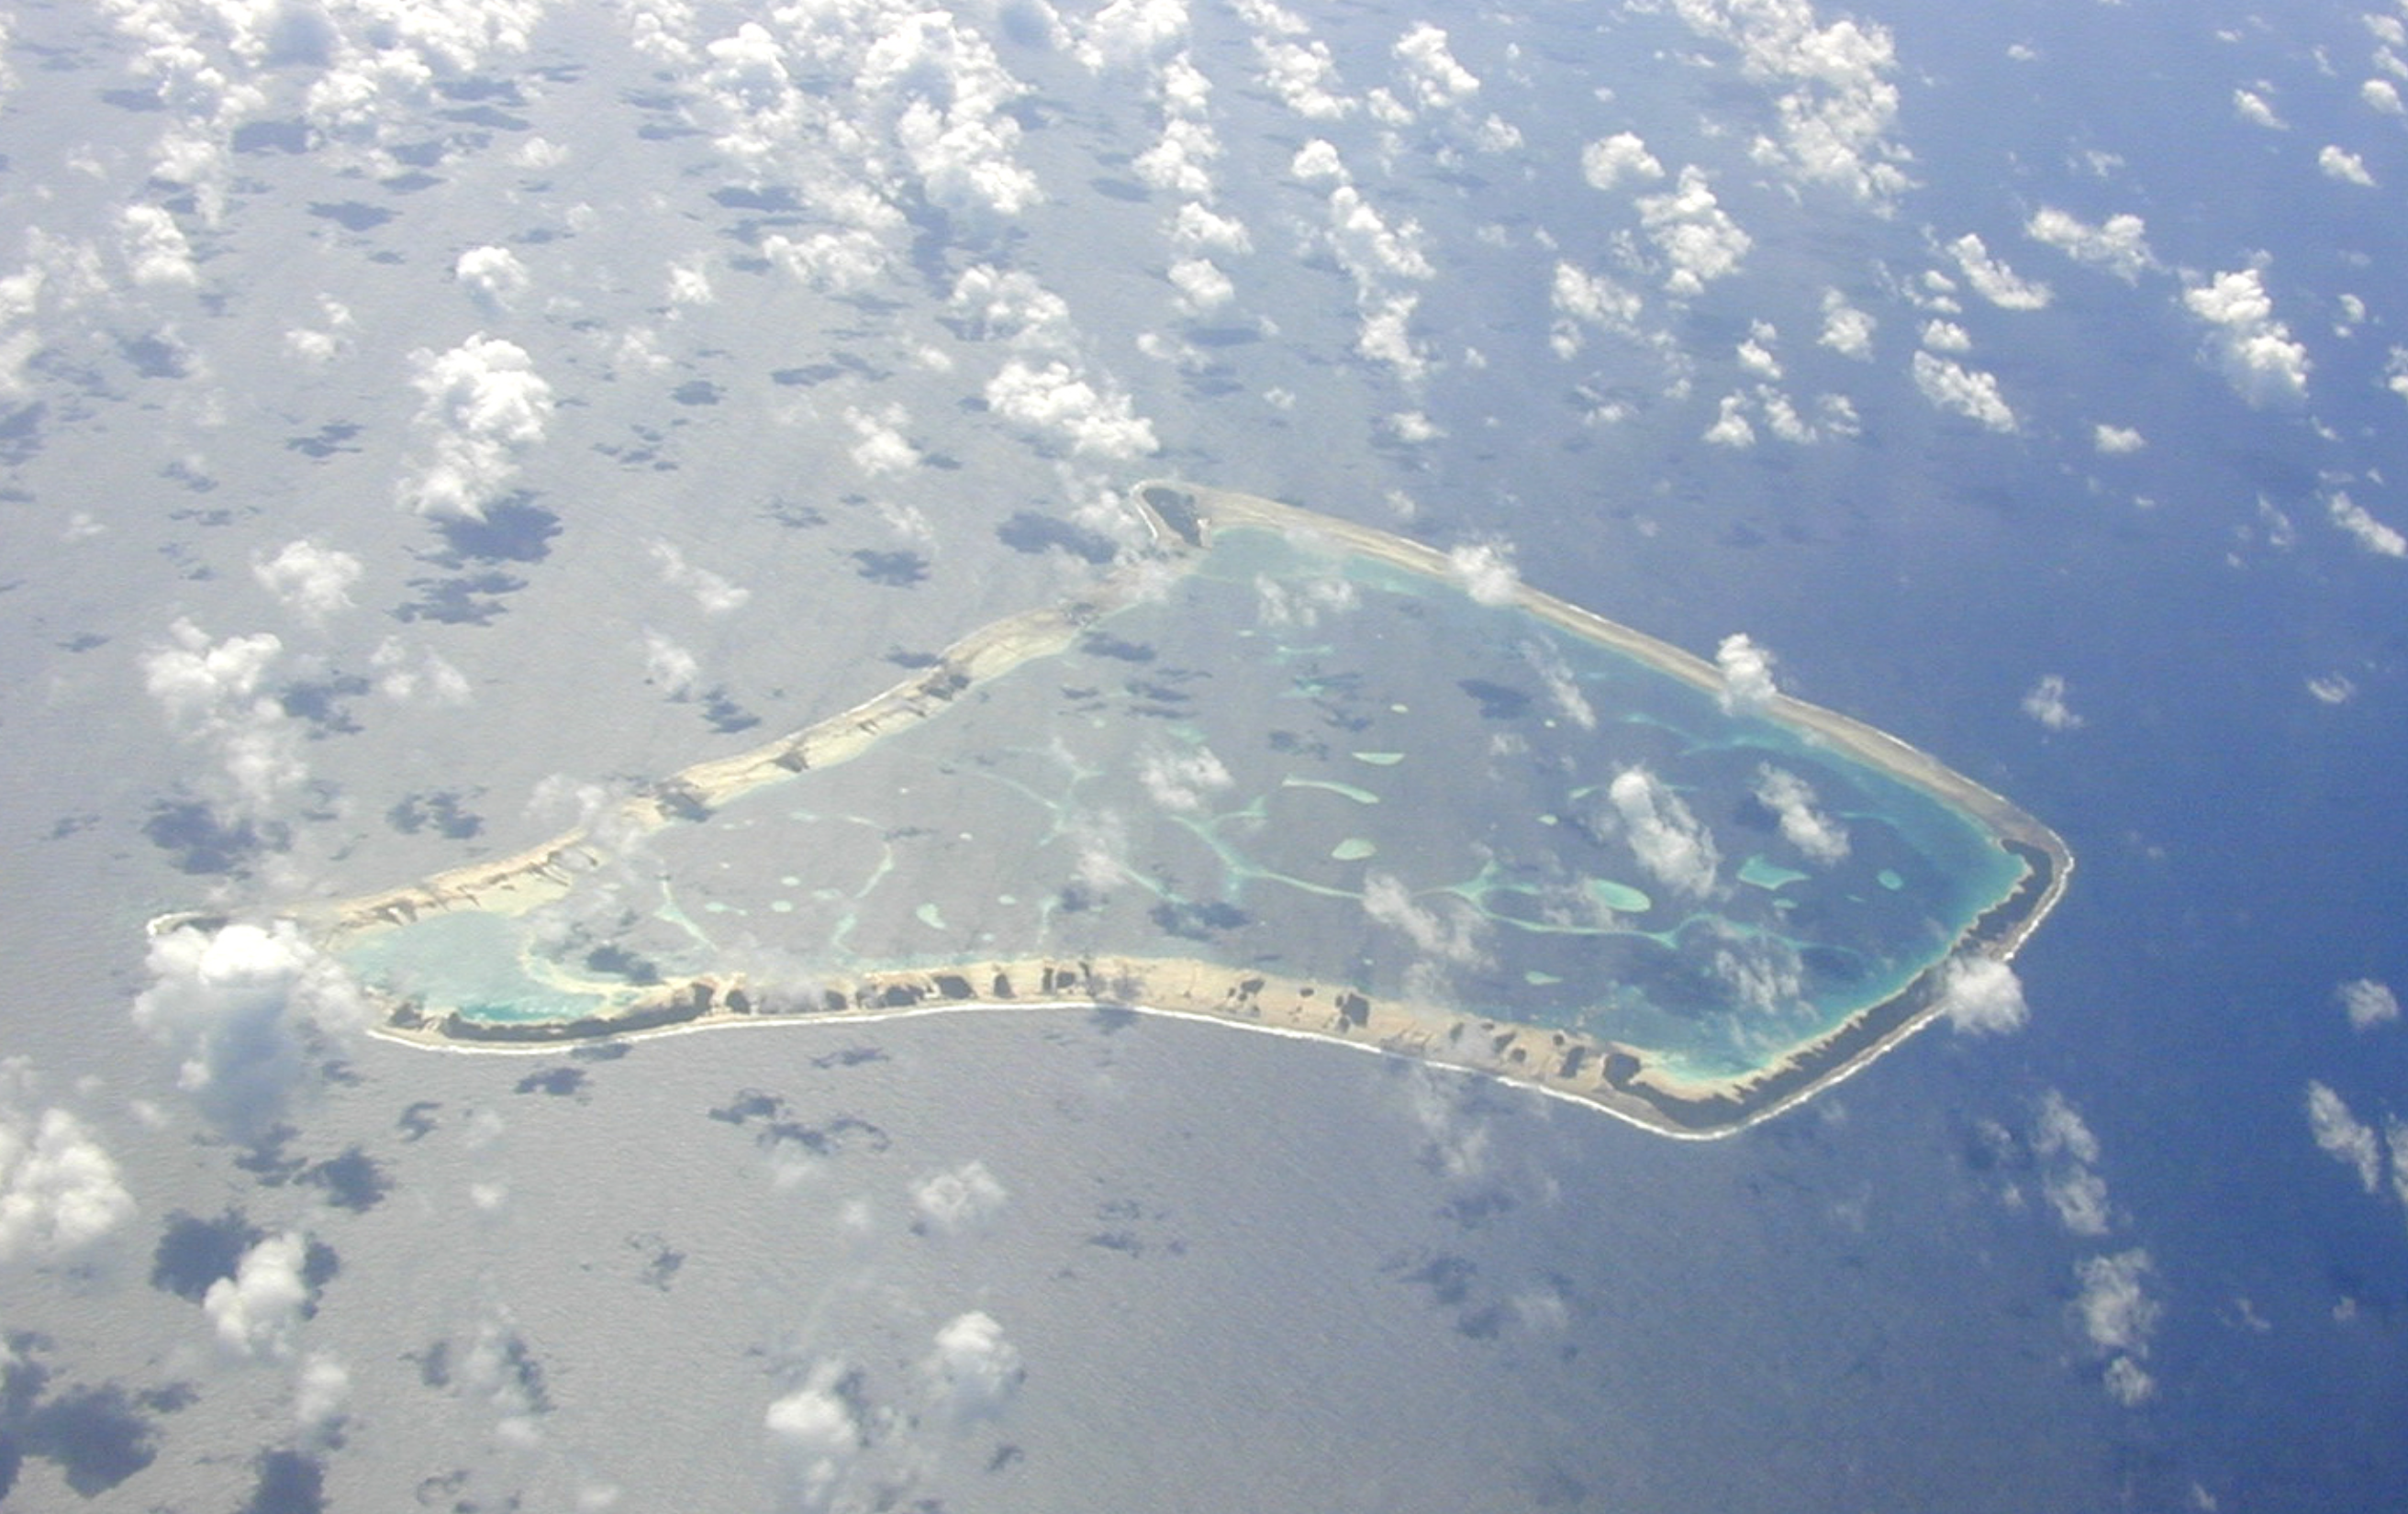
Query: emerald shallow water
{"type": "Point", "coordinates": [1310, 762]}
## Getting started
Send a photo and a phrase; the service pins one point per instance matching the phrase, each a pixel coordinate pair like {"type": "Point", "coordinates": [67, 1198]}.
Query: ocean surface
{"type": "Point", "coordinates": [768, 413]}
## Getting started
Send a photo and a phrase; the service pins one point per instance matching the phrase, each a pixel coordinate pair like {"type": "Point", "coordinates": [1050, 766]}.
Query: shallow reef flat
{"type": "Point", "coordinates": [1284, 772]}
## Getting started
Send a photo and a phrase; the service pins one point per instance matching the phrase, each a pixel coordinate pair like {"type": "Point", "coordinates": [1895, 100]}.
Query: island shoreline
{"type": "Point", "coordinates": [1625, 1082]}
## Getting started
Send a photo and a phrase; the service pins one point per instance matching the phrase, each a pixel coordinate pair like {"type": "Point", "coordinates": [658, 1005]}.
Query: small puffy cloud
{"type": "Point", "coordinates": [1582, 299]}
{"type": "Point", "coordinates": [1181, 162]}
{"type": "Point", "coordinates": [960, 1199]}
{"type": "Point", "coordinates": [1947, 336]}
{"type": "Point", "coordinates": [1431, 72]}
{"type": "Point", "coordinates": [2119, 244]}
{"type": "Point", "coordinates": [2382, 95]}
{"type": "Point", "coordinates": [2347, 167]}
{"type": "Point", "coordinates": [2115, 1308]}
{"type": "Point", "coordinates": [155, 249]}
{"type": "Point", "coordinates": [60, 1190]}
{"type": "Point", "coordinates": [1386, 338]}
{"type": "Point", "coordinates": [1452, 936]}
{"type": "Point", "coordinates": [1846, 330]}
{"type": "Point", "coordinates": [1562, 684]}
{"type": "Point", "coordinates": [311, 581]}
{"type": "Point", "coordinates": [814, 1430]}
{"type": "Point", "coordinates": [1669, 841]}
{"type": "Point", "coordinates": [715, 594]}
{"type": "Point", "coordinates": [214, 693]}
{"type": "Point", "coordinates": [974, 1370]}
{"type": "Point", "coordinates": [1181, 780]}
{"type": "Point", "coordinates": [1747, 673]}
{"type": "Point", "coordinates": [2079, 1197]}
{"type": "Point", "coordinates": [879, 446]}
{"type": "Point", "coordinates": [2061, 1132]}
{"type": "Point", "coordinates": [689, 283]}
{"type": "Point", "coordinates": [1201, 284]}
{"type": "Point", "coordinates": [1374, 249]}
{"type": "Point", "coordinates": [1960, 390]}
{"type": "Point", "coordinates": [318, 348]}
{"type": "Point", "coordinates": [257, 1312]}
{"type": "Point", "coordinates": [2332, 689]}
{"type": "Point", "coordinates": [429, 676]}
{"type": "Point", "coordinates": [1981, 995]}
{"type": "Point", "coordinates": [2344, 1136]}
{"type": "Point", "coordinates": [483, 408]}
{"type": "Point", "coordinates": [1304, 77]}
{"type": "Point", "coordinates": [2255, 349]}
{"type": "Point", "coordinates": [2256, 111]}
{"type": "Point", "coordinates": [1731, 428]}
{"type": "Point", "coordinates": [1053, 398]}
{"type": "Point", "coordinates": [1835, 105]}
{"type": "Point", "coordinates": [1803, 822]}
{"type": "Point", "coordinates": [1318, 161]}
{"type": "Point", "coordinates": [1130, 34]}
{"type": "Point", "coordinates": [1994, 280]}
{"type": "Point", "coordinates": [492, 276]}
{"type": "Point", "coordinates": [668, 666]}
{"type": "Point", "coordinates": [1606, 163]}
{"type": "Point", "coordinates": [2119, 1318]}
{"type": "Point", "coordinates": [322, 1396]}
{"type": "Point", "coordinates": [2368, 1003]}
{"type": "Point", "coordinates": [1486, 572]}
{"type": "Point", "coordinates": [1009, 305]}
{"type": "Point", "coordinates": [1696, 236]}
{"type": "Point", "coordinates": [1302, 603]}
{"type": "Point", "coordinates": [2045, 703]}
{"type": "Point", "coordinates": [238, 1006]}
{"type": "Point", "coordinates": [2117, 441]}
{"type": "Point", "coordinates": [2363, 528]}
{"type": "Point", "coordinates": [837, 262]}
{"type": "Point", "coordinates": [2070, 1153]}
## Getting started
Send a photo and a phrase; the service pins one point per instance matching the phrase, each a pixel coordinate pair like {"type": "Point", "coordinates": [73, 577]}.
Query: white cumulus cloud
{"type": "Point", "coordinates": [1846, 330]}
{"type": "Point", "coordinates": [2119, 244]}
{"type": "Point", "coordinates": [2344, 1136]}
{"type": "Point", "coordinates": [2363, 528]}
{"type": "Point", "coordinates": [2368, 1003]}
{"type": "Point", "coordinates": [1982, 995]}
{"type": "Point", "coordinates": [1696, 236]}
{"type": "Point", "coordinates": [1960, 390]}
{"type": "Point", "coordinates": [715, 594]}
{"type": "Point", "coordinates": [257, 1312]}
{"type": "Point", "coordinates": [311, 581]}
{"type": "Point", "coordinates": [2255, 349]}
{"type": "Point", "coordinates": [492, 276]}
{"type": "Point", "coordinates": [2045, 703]}
{"type": "Point", "coordinates": [1607, 162]}
{"type": "Point", "coordinates": [1994, 280]}
{"type": "Point", "coordinates": [60, 1190]}
{"type": "Point", "coordinates": [1181, 780]}
{"type": "Point", "coordinates": [1804, 825]}
{"type": "Point", "coordinates": [2347, 167]}
{"type": "Point", "coordinates": [961, 1198]}
{"type": "Point", "coordinates": [974, 1370]}
{"type": "Point", "coordinates": [1668, 838]}
{"type": "Point", "coordinates": [215, 693]}
{"type": "Point", "coordinates": [483, 408]}
{"type": "Point", "coordinates": [2256, 111]}
{"type": "Point", "coordinates": [1486, 572]}
{"type": "Point", "coordinates": [237, 1006]}
{"type": "Point", "coordinates": [1747, 673]}
{"type": "Point", "coordinates": [1053, 398]}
